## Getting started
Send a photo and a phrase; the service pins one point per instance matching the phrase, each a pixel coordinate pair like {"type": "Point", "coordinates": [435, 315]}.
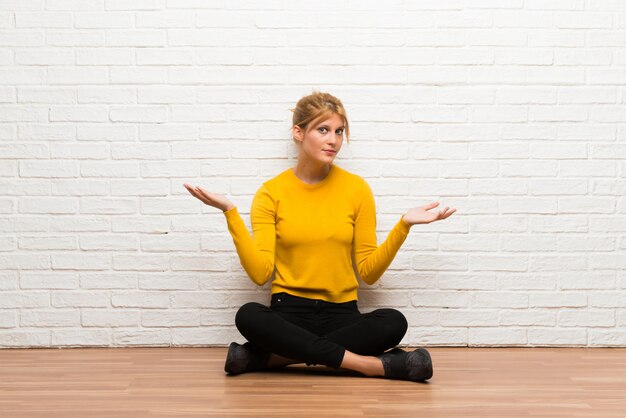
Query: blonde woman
{"type": "Point", "coordinates": [314, 230]}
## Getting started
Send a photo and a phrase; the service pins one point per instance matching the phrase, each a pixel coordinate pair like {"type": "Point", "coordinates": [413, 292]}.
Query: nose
{"type": "Point", "coordinates": [334, 138]}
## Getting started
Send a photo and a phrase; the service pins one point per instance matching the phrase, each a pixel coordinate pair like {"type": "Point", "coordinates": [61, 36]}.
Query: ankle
{"type": "Point", "coordinates": [279, 361]}
{"type": "Point", "coordinates": [367, 365]}
{"type": "Point", "coordinates": [376, 367]}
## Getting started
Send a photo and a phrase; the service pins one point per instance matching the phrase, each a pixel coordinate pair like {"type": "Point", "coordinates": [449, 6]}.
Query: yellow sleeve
{"type": "Point", "coordinates": [256, 253]}
{"type": "Point", "coordinates": [372, 260]}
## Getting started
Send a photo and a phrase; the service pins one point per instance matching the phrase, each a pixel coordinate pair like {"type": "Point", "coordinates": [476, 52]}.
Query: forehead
{"type": "Point", "coordinates": [333, 119]}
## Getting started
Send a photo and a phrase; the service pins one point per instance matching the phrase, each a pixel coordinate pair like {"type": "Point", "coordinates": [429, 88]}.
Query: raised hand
{"type": "Point", "coordinates": [420, 214]}
{"type": "Point", "coordinates": [212, 199]}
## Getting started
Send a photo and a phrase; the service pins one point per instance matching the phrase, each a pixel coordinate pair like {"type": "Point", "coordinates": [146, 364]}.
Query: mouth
{"type": "Point", "coordinates": [329, 151]}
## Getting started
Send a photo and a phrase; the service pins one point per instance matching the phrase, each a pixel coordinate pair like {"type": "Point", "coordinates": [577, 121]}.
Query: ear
{"type": "Point", "coordinates": [296, 133]}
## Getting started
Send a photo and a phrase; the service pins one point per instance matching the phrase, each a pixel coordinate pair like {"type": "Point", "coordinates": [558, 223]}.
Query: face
{"type": "Point", "coordinates": [323, 141]}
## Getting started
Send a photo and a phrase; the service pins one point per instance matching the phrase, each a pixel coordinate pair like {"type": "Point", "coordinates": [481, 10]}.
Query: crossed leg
{"type": "Point", "coordinates": [351, 343]}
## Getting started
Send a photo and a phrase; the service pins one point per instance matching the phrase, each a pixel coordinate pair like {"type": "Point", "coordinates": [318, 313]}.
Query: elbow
{"type": "Point", "coordinates": [261, 277]}
{"type": "Point", "coordinates": [369, 277]}
{"type": "Point", "coordinates": [370, 281]}
{"type": "Point", "coordinates": [259, 281]}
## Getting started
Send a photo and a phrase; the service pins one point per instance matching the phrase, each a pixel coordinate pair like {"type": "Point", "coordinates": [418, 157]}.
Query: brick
{"type": "Point", "coordinates": [607, 337]}
{"type": "Point", "coordinates": [108, 243]}
{"type": "Point", "coordinates": [169, 242]}
{"type": "Point", "coordinates": [24, 339]}
{"type": "Point", "coordinates": [104, 56]}
{"type": "Point", "coordinates": [136, 5]}
{"type": "Point", "coordinates": [78, 76]}
{"type": "Point", "coordinates": [557, 337]}
{"type": "Point", "coordinates": [80, 299]}
{"type": "Point", "coordinates": [141, 299]}
{"type": "Point", "coordinates": [22, 113]}
{"type": "Point", "coordinates": [106, 20]}
{"type": "Point", "coordinates": [7, 320]}
{"type": "Point", "coordinates": [8, 280]}
{"type": "Point", "coordinates": [25, 299]}
{"type": "Point", "coordinates": [70, 261]}
{"type": "Point", "coordinates": [24, 261]}
{"type": "Point", "coordinates": [168, 318]}
{"type": "Point", "coordinates": [102, 205]}
{"type": "Point", "coordinates": [202, 336]}
{"type": "Point", "coordinates": [108, 280]}
{"type": "Point", "coordinates": [499, 300]}
{"type": "Point", "coordinates": [8, 243]}
{"type": "Point", "coordinates": [150, 338]}
{"type": "Point", "coordinates": [527, 318]}
{"type": "Point", "coordinates": [588, 318]}
{"type": "Point", "coordinates": [109, 319]}
{"type": "Point", "coordinates": [199, 263]}
{"type": "Point", "coordinates": [145, 224]}
{"type": "Point", "coordinates": [77, 338]}
{"type": "Point", "coordinates": [76, 223]}
{"type": "Point", "coordinates": [497, 336]}
{"type": "Point", "coordinates": [50, 318]}
{"type": "Point", "coordinates": [425, 336]}
{"type": "Point", "coordinates": [47, 243]}
{"type": "Point", "coordinates": [466, 318]}
{"type": "Point", "coordinates": [200, 300]}
{"type": "Point", "coordinates": [141, 262]}
{"type": "Point", "coordinates": [44, 57]}
{"type": "Point", "coordinates": [46, 95]}
{"type": "Point", "coordinates": [24, 224]}
{"type": "Point", "coordinates": [169, 281]}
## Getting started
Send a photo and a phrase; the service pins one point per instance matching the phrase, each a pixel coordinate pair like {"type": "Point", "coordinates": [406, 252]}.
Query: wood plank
{"type": "Point", "coordinates": [190, 382]}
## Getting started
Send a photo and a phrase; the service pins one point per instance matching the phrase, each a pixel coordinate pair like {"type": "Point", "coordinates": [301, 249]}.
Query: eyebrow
{"type": "Point", "coordinates": [323, 125]}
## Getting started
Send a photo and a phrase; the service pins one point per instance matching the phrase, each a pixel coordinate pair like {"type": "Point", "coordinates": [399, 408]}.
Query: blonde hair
{"type": "Point", "coordinates": [318, 105]}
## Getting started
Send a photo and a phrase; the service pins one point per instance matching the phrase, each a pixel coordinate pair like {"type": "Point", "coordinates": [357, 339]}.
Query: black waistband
{"type": "Point", "coordinates": [307, 301]}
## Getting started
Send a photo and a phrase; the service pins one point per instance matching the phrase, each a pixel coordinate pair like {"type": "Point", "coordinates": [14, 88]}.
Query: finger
{"type": "Point", "coordinates": [450, 213]}
{"type": "Point", "coordinates": [197, 195]}
{"type": "Point", "coordinates": [431, 205]}
{"type": "Point", "coordinates": [204, 193]}
{"type": "Point", "coordinates": [190, 189]}
{"type": "Point", "coordinates": [201, 190]}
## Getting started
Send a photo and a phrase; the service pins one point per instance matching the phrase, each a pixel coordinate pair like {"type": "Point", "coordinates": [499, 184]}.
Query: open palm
{"type": "Point", "coordinates": [212, 199]}
{"type": "Point", "coordinates": [421, 214]}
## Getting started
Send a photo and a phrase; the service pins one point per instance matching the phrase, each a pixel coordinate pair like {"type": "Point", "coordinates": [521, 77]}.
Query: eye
{"type": "Point", "coordinates": [340, 131]}
{"type": "Point", "coordinates": [320, 129]}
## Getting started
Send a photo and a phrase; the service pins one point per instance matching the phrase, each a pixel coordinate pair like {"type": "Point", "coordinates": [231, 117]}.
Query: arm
{"type": "Point", "coordinates": [256, 253]}
{"type": "Point", "coordinates": [372, 260]}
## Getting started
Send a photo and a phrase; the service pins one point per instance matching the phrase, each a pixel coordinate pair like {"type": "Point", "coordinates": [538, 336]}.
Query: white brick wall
{"type": "Point", "coordinates": [514, 112]}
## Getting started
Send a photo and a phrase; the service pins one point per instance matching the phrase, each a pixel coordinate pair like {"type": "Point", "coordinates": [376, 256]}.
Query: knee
{"type": "Point", "coordinates": [246, 316]}
{"type": "Point", "coordinates": [396, 323]}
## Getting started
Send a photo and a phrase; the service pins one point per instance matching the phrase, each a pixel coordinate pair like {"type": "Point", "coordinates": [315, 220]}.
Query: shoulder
{"type": "Point", "coordinates": [271, 186]}
{"type": "Point", "coordinates": [276, 181]}
{"type": "Point", "coordinates": [355, 181]}
{"type": "Point", "coordinates": [347, 176]}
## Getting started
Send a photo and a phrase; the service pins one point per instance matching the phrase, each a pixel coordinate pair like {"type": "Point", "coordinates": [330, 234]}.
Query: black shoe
{"type": "Point", "coordinates": [413, 365]}
{"type": "Point", "coordinates": [244, 358]}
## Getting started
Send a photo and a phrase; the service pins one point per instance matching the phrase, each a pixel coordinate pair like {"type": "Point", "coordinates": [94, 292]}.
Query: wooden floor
{"type": "Point", "coordinates": [190, 382]}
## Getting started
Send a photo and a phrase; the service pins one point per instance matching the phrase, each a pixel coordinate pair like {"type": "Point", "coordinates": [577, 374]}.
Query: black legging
{"type": "Point", "coordinates": [319, 332]}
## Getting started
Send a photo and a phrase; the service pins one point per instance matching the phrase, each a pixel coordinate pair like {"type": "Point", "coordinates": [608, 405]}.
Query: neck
{"type": "Point", "coordinates": [311, 173]}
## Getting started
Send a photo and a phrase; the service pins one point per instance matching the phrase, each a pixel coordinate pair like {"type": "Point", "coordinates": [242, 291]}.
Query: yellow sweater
{"type": "Point", "coordinates": [308, 233]}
